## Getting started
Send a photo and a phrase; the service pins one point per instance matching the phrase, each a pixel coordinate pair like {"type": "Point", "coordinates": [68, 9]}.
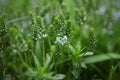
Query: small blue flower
{"type": "Point", "coordinates": [61, 40]}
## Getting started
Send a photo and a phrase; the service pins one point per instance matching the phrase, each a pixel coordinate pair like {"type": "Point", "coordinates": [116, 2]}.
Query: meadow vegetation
{"type": "Point", "coordinates": [59, 40]}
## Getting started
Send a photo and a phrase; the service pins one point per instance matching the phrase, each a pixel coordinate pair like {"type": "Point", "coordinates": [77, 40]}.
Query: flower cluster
{"type": "Point", "coordinates": [80, 16]}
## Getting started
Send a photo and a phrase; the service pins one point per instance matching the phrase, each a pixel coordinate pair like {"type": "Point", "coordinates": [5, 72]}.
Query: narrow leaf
{"type": "Point", "coordinates": [100, 58]}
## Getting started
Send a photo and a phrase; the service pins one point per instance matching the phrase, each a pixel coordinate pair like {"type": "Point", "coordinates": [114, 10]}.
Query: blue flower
{"type": "Point", "coordinates": [61, 40]}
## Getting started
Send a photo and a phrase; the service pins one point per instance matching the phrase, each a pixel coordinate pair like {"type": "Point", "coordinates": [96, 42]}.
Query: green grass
{"type": "Point", "coordinates": [59, 40]}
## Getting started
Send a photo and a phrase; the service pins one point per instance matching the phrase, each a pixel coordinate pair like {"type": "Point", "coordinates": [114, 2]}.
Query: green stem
{"type": "Point", "coordinates": [68, 48]}
{"type": "Point", "coordinates": [34, 47]}
{"type": "Point", "coordinates": [55, 64]}
{"type": "Point", "coordinates": [17, 19]}
{"type": "Point", "coordinates": [43, 52]}
{"type": "Point", "coordinates": [2, 46]}
{"type": "Point", "coordinates": [22, 60]}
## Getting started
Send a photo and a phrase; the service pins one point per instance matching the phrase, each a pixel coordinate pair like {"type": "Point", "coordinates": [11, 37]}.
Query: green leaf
{"type": "Point", "coordinates": [89, 53]}
{"type": "Point", "coordinates": [30, 72]}
{"type": "Point", "coordinates": [100, 58]}
{"type": "Point", "coordinates": [37, 63]}
{"type": "Point", "coordinates": [58, 77]}
{"type": "Point", "coordinates": [47, 63]}
{"type": "Point", "coordinates": [112, 72]}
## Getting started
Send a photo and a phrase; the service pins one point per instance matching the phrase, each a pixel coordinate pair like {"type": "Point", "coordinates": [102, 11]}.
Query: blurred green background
{"type": "Point", "coordinates": [102, 15]}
